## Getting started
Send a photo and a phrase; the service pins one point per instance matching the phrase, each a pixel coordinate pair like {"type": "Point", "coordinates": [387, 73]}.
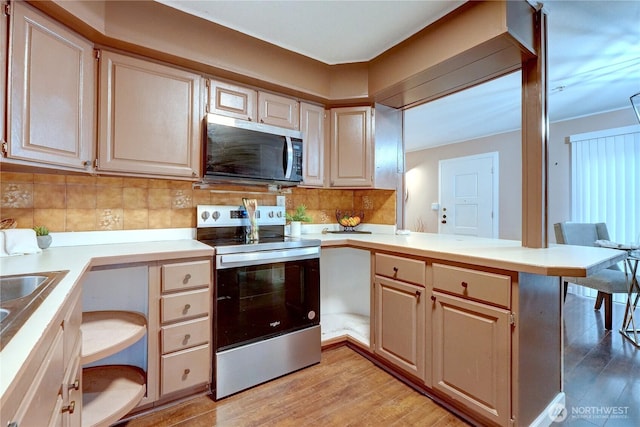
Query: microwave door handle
{"type": "Point", "coordinates": [288, 166]}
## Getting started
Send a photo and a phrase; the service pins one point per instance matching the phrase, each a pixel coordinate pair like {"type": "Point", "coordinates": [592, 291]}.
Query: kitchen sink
{"type": "Point", "coordinates": [20, 296]}
{"type": "Point", "coordinates": [19, 286]}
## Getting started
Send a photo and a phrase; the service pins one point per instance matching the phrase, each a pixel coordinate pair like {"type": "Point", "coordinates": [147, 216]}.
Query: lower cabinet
{"type": "Point", "coordinates": [472, 340]}
{"type": "Point", "coordinates": [185, 325]}
{"type": "Point", "coordinates": [47, 392]}
{"type": "Point", "coordinates": [400, 324]}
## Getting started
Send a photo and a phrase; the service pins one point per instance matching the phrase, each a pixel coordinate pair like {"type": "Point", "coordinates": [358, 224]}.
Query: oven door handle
{"type": "Point", "coordinates": [263, 257]}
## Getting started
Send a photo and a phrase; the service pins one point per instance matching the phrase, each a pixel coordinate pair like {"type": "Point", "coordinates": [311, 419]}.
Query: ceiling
{"type": "Point", "coordinates": [593, 55]}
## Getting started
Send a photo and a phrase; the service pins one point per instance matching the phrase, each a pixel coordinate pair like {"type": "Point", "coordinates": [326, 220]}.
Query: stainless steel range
{"type": "Point", "coordinates": [266, 318]}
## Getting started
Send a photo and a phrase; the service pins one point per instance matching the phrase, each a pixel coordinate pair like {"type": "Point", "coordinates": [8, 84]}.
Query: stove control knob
{"type": "Point", "coordinates": [279, 214]}
{"type": "Point", "coordinates": [215, 215]}
{"type": "Point", "coordinates": [270, 214]}
{"type": "Point", "coordinates": [204, 215]}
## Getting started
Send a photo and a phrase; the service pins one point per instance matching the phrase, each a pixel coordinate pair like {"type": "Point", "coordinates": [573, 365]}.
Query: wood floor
{"type": "Point", "coordinates": [602, 374]}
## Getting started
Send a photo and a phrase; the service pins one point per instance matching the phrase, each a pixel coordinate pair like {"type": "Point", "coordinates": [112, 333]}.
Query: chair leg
{"type": "Point", "coordinates": [608, 311]}
{"type": "Point", "coordinates": [599, 299]}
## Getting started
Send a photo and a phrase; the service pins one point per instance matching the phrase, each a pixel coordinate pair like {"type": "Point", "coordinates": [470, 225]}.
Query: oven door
{"type": "Point", "coordinates": [260, 295]}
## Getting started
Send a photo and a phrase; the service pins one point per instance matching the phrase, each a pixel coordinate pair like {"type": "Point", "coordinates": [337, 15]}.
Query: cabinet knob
{"type": "Point", "coordinates": [186, 279]}
{"type": "Point", "coordinates": [433, 298]}
{"type": "Point", "coordinates": [186, 308]}
{"type": "Point", "coordinates": [187, 371]}
{"type": "Point", "coordinates": [186, 339]}
{"type": "Point", "coordinates": [70, 408]}
{"type": "Point", "coordinates": [75, 385]}
{"type": "Point", "coordinates": [464, 284]}
{"type": "Point", "coordinates": [418, 293]}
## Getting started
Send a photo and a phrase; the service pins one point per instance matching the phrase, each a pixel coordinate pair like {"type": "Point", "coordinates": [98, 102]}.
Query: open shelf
{"type": "Point", "coordinates": [110, 392]}
{"type": "Point", "coordinates": [336, 325]}
{"type": "Point", "coordinates": [107, 332]}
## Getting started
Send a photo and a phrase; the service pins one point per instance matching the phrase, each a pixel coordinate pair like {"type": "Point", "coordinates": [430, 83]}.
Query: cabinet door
{"type": "Point", "coordinates": [52, 86]}
{"type": "Point", "coordinates": [400, 322]}
{"type": "Point", "coordinates": [351, 147]}
{"type": "Point", "coordinates": [4, 54]}
{"type": "Point", "coordinates": [232, 101]}
{"type": "Point", "coordinates": [150, 118]}
{"type": "Point", "coordinates": [278, 110]}
{"type": "Point", "coordinates": [312, 127]}
{"type": "Point", "coordinates": [472, 355]}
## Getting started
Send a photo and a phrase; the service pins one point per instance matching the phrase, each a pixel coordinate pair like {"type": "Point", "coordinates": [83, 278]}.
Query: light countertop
{"type": "Point", "coordinates": [76, 259]}
{"type": "Point", "coordinates": [556, 260]}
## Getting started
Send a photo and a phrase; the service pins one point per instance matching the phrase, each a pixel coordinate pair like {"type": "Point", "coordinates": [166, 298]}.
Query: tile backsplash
{"type": "Point", "coordinates": [88, 203]}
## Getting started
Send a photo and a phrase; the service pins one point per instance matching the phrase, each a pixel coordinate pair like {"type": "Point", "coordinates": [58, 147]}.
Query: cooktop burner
{"type": "Point", "coordinates": [227, 229]}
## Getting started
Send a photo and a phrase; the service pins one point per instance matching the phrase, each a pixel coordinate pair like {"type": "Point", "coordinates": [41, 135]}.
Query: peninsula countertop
{"type": "Point", "coordinates": [556, 260]}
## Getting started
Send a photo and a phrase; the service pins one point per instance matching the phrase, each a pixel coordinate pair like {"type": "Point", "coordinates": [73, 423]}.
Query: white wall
{"type": "Point", "coordinates": [422, 172]}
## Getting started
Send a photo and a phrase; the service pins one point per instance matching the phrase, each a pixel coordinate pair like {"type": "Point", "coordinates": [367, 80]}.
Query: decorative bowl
{"type": "Point", "coordinates": [349, 220]}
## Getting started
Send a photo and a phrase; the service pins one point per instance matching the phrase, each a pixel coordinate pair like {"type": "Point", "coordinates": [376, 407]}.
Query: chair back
{"type": "Point", "coordinates": [581, 234]}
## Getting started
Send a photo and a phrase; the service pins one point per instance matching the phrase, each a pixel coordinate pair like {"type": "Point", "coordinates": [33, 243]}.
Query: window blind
{"type": "Point", "coordinates": [605, 182]}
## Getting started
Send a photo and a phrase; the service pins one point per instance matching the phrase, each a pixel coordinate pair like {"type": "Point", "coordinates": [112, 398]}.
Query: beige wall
{"type": "Point", "coordinates": [422, 169]}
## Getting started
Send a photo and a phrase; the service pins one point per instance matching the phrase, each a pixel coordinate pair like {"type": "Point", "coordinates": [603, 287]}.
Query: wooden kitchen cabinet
{"type": "Point", "coordinates": [352, 147]}
{"type": "Point", "coordinates": [400, 310]}
{"type": "Point", "coordinates": [45, 394]}
{"type": "Point", "coordinates": [245, 103]}
{"type": "Point", "coordinates": [228, 99]}
{"type": "Point", "coordinates": [51, 113]}
{"type": "Point", "coordinates": [278, 110]}
{"type": "Point", "coordinates": [150, 118]}
{"type": "Point", "coordinates": [312, 125]}
{"type": "Point", "coordinates": [185, 325]}
{"type": "Point", "coordinates": [472, 340]}
{"type": "Point", "coordinates": [366, 148]}
{"type": "Point", "coordinates": [4, 55]}
{"type": "Point", "coordinates": [117, 348]}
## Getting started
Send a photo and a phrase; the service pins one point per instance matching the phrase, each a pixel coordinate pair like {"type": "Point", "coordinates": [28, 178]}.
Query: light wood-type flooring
{"type": "Point", "coordinates": [602, 374]}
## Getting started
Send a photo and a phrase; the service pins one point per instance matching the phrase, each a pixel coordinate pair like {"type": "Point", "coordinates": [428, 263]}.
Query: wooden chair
{"type": "Point", "coordinates": [607, 281]}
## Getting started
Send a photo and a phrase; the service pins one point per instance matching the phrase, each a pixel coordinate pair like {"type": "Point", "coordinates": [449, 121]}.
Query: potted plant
{"type": "Point", "coordinates": [296, 219]}
{"type": "Point", "coordinates": [43, 237]}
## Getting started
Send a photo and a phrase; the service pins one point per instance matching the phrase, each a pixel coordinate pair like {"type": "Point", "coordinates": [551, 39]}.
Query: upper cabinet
{"type": "Point", "coordinates": [358, 158]}
{"type": "Point", "coordinates": [241, 102]}
{"type": "Point", "coordinates": [51, 114]}
{"type": "Point", "coordinates": [231, 100]}
{"type": "Point", "coordinates": [278, 110]}
{"type": "Point", "coordinates": [150, 118]}
{"type": "Point", "coordinates": [312, 125]}
{"type": "Point", "coordinates": [352, 147]}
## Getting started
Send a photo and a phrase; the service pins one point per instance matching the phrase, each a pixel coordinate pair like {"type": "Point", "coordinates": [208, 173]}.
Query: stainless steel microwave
{"type": "Point", "coordinates": [241, 151]}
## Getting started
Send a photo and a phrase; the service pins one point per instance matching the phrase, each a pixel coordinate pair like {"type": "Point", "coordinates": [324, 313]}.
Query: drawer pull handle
{"type": "Point", "coordinates": [187, 337]}
{"type": "Point", "coordinates": [187, 371]}
{"type": "Point", "coordinates": [418, 293]}
{"type": "Point", "coordinates": [186, 279]}
{"type": "Point", "coordinates": [395, 269]}
{"type": "Point", "coordinates": [186, 308]}
{"type": "Point", "coordinates": [75, 385]}
{"type": "Point", "coordinates": [70, 408]}
{"type": "Point", "coordinates": [464, 284]}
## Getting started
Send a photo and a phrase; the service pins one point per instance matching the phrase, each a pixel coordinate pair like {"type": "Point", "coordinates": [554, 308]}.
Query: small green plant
{"type": "Point", "coordinates": [41, 230]}
{"type": "Point", "coordinates": [300, 214]}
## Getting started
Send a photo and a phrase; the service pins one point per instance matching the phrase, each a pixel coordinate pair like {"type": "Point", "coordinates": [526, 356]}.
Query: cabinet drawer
{"type": "Point", "coordinates": [405, 269]}
{"type": "Point", "coordinates": [185, 305]}
{"type": "Point", "coordinates": [185, 369]}
{"type": "Point", "coordinates": [186, 275]}
{"type": "Point", "coordinates": [186, 334]}
{"type": "Point", "coordinates": [478, 285]}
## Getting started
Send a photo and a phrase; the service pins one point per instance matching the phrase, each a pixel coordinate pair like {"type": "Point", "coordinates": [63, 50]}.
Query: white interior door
{"type": "Point", "coordinates": [469, 196]}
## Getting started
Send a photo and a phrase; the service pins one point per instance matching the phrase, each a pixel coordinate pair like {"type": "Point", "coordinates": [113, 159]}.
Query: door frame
{"type": "Point", "coordinates": [495, 187]}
